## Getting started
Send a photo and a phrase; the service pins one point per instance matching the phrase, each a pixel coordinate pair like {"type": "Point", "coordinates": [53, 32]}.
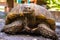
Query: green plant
{"type": "Point", "coordinates": [53, 4]}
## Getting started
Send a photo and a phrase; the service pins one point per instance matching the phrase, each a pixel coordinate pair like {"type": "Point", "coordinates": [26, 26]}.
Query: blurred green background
{"type": "Point", "coordinates": [53, 4]}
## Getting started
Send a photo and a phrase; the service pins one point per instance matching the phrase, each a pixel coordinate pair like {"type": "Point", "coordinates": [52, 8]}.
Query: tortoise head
{"type": "Point", "coordinates": [28, 11]}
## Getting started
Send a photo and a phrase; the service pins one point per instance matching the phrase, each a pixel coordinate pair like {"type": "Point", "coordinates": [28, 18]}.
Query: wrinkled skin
{"type": "Point", "coordinates": [31, 23]}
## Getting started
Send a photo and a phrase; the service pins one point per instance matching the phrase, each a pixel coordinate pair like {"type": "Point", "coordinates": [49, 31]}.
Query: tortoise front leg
{"type": "Point", "coordinates": [14, 27]}
{"type": "Point", "coordinates": [45, 31]}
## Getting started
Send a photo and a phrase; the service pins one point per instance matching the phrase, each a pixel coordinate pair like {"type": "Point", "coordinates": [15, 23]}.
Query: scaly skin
{"type": "Point", "coordinates": [14, 27]}
{"type": "Point", "coordinates": [43, 30]}
{"type": "Point", "coordinates": [46, 32]}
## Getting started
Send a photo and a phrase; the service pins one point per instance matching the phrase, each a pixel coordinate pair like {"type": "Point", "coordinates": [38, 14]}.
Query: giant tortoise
{"type": "Point", "coordinates": [30, 18]}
